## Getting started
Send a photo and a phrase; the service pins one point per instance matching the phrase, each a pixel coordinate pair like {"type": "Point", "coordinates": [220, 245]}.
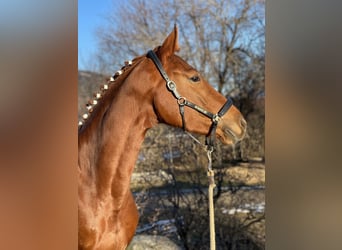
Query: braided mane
{"type": "Point", "coordinates": [112, 84]}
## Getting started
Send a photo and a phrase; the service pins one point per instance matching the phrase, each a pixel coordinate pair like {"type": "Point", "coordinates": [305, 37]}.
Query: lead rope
{"type": "Point", "coordinates": [211, 187]}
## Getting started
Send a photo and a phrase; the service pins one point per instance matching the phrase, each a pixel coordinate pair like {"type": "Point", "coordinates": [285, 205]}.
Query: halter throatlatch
{"type": "Point", "coordinates": [182, 101]}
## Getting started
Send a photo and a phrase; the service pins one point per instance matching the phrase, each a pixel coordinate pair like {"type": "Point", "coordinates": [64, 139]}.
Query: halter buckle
{"type": "Point", "coordinates": [171, 85]}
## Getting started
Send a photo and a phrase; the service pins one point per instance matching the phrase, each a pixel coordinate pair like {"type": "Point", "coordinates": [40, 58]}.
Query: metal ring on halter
{"type": "Point", "coordinates": [181, 101]}
{"type": "Point", "coordinates": [216, 118]}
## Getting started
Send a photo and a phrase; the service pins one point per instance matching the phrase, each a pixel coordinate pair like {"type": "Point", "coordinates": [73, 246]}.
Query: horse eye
{"type": "Point", "coordinates": [195, 78]}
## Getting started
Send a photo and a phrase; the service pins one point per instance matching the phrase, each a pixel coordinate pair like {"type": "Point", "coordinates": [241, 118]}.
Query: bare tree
{"type": "Point", "coordinates": [221, 38]}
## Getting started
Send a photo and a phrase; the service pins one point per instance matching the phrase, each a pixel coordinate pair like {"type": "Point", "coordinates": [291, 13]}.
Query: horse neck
{"type": "Point", "coordinates": [109, 146]}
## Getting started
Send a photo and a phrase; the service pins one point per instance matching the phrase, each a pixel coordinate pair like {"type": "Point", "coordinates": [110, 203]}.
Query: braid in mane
{"type": "Point", "coordinates": [103, 89]}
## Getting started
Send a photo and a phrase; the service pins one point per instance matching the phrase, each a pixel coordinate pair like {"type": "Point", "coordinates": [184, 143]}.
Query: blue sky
{"type": "Point", "coordinates": [91, 15]}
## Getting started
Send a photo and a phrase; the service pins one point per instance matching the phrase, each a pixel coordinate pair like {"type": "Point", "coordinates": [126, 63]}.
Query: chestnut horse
{"type": "Point", "coordinates": [111, 135]}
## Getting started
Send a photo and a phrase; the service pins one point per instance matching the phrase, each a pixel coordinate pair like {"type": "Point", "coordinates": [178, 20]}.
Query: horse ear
{"type": "Point", "coordinates": [170, 45]}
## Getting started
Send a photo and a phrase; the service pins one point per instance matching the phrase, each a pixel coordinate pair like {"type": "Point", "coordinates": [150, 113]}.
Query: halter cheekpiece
{"type": "Point", "coordinates": [182, 101]}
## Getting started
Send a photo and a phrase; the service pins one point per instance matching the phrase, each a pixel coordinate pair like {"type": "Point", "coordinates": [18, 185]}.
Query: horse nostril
{"type": "Point", "coordinates": [243, 123]}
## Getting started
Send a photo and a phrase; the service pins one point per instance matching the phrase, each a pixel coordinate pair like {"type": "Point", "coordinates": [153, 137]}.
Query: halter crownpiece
{"type": "Point", "coordinates": [182, 101]}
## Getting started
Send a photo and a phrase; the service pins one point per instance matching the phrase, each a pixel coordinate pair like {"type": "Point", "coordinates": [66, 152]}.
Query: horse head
{"type": "Point", "coordinates": [191, 87]}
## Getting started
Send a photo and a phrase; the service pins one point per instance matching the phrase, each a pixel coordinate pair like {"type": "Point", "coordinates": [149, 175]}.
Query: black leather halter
{"type": "Point", "coordinates": [182, 101]}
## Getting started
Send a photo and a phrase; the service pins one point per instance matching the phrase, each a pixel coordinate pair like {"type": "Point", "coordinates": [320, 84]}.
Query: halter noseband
{"type": "Point", "coordinates": [182, 101]}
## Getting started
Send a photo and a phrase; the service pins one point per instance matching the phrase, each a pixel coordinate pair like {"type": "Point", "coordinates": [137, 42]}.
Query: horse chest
{"type": "Point", "coordinates": [102, 227]}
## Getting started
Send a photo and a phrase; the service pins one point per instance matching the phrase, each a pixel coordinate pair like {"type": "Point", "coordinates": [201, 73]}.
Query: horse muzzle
{"type": "Point", "coordinates": [232, 132]}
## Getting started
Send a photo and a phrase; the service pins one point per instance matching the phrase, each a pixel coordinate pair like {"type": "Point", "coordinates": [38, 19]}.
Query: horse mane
{"type": "Point", "coordinates": [107, 92]}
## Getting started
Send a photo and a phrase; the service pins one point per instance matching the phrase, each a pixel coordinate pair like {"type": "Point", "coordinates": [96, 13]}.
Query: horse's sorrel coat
{"type": "Point", "coordinates": [110, 139]}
